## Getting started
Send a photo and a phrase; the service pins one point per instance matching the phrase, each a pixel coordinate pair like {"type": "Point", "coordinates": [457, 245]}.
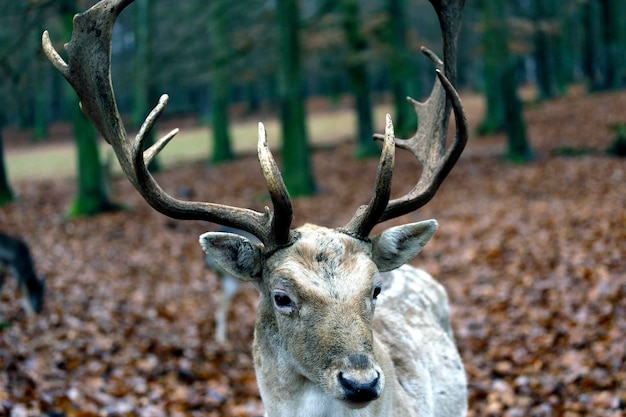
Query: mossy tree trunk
{"type": "Point", "coordinates": [614, 25]}
{"type": "Point", "coordinates": [92, 197]}
{"type": "Point", "coordinates": [144, 95]}
{"type": "Point", "coordinates": [504, 107]}
{"type": "Point", "coordinates": [518, 147]}
{"type": "Point", "coordinates": [6, 194]}
{"type": "Point", "coordinates": [548, 40]}
{"type": "Point", "coordinates": [297, 171]}
{"type": "Point", "coordinates": [604, 50]}
{"type": "Point", "coordinates": [42, 102]}
{"type": "Point", "coordinates": [404, 76]}
{"type": "Point", "coordinates": [495, 56]}
{"type": "Point", "coordinates": [357, 70]}
{"type": "Point", "coordinates": [220, 81]}
{"type": "Point", "coordinates": [592, 46]}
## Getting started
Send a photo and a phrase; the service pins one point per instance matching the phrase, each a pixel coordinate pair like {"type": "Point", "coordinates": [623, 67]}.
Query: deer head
{"type": "Point", "coordinates": [318, 287]}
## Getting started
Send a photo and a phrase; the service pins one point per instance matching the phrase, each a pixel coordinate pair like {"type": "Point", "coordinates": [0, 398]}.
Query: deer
{"type": "Point", "coordinates": [344, 326]}
{"type": "Point", "coordinates": [15, 258]}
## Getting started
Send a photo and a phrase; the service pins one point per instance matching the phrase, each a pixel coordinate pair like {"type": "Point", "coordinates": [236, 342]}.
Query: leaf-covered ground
{"type": "Point", "coordinates": [533, 257]}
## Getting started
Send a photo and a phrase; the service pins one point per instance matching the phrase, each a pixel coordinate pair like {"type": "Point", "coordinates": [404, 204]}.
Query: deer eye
{"type": "Point", "coordinates": [376, 293]}
{"type": "Point", "coordinates": [283, 302]}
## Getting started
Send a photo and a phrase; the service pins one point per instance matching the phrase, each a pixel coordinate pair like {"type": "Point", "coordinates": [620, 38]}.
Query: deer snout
{"type": "Point", "coordinates": [357, 391]}
{"type": "Point", "coordinates": [362, 382]}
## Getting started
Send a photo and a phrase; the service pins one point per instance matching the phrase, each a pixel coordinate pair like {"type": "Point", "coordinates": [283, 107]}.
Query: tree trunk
{"type": "Point", "coordinates": [6, 194]}
{"type": "Point", "coordinates": [518, 147]}
{"type": "Point", "coordinates": [220, 81]}
{"type": "Point", "coordinates": [495, 55]}
{"type": "Point", "coordinates": [42, 103]}
{"type": "Point", "coordinates": [143, 89]}
{"type": "Point", "coordinates": [543, 57]}
{"type": "Point", "coordinates": [404, 77]}
{"type": "Point", "coordinates": [357, 69]}
{"type": "Point", "coordinates": [91, 197]}
{"type": "Point", "coordinates": [502, 87]}
{"type": "Point", "coordinates": [297, 171]}
{"type": "Point", "coordinates": [546, 56]}
{"type": "Point", "coordinates": [253, 98]}
{"type": "Point", "coordinates": [568, 44]}
{"type": "Point", "coordinates": [614, 24]}
{"type": "Point", "coordinates": [591, 62]}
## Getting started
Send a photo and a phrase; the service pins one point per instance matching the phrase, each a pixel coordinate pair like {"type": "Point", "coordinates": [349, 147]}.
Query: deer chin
{"type": "Point", "coordinates": [357, 405]}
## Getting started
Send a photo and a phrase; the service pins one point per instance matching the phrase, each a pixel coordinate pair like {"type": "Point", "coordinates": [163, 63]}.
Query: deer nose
{"type": "Point", "coordinates": [357, 390]}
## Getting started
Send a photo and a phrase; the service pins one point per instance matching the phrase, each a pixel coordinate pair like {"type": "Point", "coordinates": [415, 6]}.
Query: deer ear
{"type": "Point", "coordinates": [398, 245]}
{"type": "Point", "coordinates": [235, 254]}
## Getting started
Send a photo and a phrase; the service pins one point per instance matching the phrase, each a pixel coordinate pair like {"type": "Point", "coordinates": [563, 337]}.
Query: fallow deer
{"type": "Point", "coordinates": [15, 259]}
{"type": "Point", "coordinates": [344, 327]}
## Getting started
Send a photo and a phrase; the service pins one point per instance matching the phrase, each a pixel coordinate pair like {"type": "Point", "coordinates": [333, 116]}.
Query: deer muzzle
{"type": "Point", "coordinates": [361, 381]}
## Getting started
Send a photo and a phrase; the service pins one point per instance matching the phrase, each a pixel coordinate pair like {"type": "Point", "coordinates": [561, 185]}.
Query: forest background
{"type": "Point", "coordinates": [263, 58]}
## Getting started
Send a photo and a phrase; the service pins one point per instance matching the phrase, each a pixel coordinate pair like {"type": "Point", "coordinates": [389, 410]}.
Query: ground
{"type": "Point", "coordinates": [533, 257]}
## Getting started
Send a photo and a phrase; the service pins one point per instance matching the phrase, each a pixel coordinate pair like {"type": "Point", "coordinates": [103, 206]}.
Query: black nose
{"type": "Point", "coordinates": [359, 391]}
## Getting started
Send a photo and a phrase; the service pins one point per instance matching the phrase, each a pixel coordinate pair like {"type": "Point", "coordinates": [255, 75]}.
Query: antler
{"type": "Point", "coordinates": [88, 70]}
{"type": "Point", "coordinates": [428, 144]}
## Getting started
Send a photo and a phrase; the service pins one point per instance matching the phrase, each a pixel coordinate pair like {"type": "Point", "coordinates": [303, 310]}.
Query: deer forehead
{"type": "Point", "coordinates": [324, 261]}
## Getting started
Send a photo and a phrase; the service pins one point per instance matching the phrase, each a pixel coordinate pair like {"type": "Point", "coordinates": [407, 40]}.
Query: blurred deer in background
{"type": "Point", "coordinates": [228, 287]}
{"type": "Point", "coordinates": [344, 327]}
{"type": "Point", "coordinates": [15, 259]}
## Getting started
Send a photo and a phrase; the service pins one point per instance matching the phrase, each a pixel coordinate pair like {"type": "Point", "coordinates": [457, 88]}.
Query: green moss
{"type": "Point", "coordinates": [6, 197]}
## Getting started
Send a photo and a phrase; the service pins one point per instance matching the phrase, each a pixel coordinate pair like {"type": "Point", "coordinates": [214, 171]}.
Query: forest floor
{"type": "Point", "coordinates": [533, 257]}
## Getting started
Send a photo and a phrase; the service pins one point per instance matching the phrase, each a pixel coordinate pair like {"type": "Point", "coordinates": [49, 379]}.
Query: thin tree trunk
{"type": "Point", "coordinates": [544, 49]}
{"type": "Point", "coordinates": [42, 103]}
{"type": "Point", "coordinates": [6, 194]}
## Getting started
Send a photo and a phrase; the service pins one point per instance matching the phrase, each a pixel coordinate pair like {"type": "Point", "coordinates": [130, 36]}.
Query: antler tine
{"type": "Point", "coordinates": [428, 144]}
{"type": "Point", "coordinates": [367, 216]}
{"type": "Point", "coordinates": [88, 70]}
{"type": "Point", "coordinates": [437, 161]}
{"type": "Point", "coordinates": [283, 211]}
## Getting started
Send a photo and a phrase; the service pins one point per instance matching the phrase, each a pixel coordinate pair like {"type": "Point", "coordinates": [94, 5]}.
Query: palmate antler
{"type": "Point", "coordinates": [88, 70]}
{"type": "Point", "coordinates": [428, 144]}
